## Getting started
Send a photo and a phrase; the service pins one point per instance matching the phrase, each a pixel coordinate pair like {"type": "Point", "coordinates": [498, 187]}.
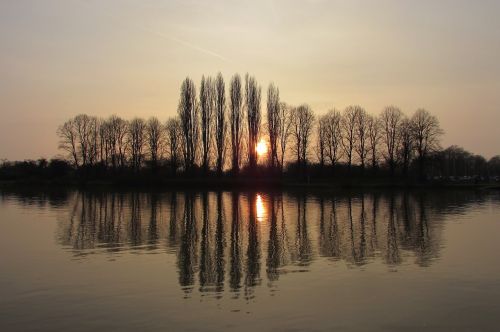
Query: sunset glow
{"type": "Point", "coordinates": [138, 42]}
{"type": "Point", "coordinates": [249, 165]}
{"type": "Point", "coordinates": [261, 148]}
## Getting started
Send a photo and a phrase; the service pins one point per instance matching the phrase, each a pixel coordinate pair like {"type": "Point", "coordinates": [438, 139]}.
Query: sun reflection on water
{"type": "Point", "coordinates": [260, 208]}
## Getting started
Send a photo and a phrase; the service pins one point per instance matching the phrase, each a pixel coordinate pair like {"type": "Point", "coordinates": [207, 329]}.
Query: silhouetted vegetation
{"type": "Point", "coordinates": [216, 137]}
{"type": "Point", "coordinates": [36, 169]}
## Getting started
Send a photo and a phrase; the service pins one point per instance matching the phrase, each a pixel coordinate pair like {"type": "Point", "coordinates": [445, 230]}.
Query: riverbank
{"type": "Point", "coordinates": [248, 183]}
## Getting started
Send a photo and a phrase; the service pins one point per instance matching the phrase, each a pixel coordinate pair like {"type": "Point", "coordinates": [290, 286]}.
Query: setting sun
{"type": "Point", "coordinates": [261, 147]}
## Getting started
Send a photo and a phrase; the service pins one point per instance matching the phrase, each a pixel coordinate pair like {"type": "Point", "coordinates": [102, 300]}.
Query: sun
{"type": "Point", "coordinates": [261, 147]}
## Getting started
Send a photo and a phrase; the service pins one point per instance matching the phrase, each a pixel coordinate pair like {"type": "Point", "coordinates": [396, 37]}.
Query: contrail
{"type": "Point", "coordinates": [162, 35]}
{"type": "Point", "coordinates": [182, 42]}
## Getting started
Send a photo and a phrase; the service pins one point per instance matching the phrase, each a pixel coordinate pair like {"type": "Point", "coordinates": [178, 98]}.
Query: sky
{"type": "Point", "coordinates": [129, 57]}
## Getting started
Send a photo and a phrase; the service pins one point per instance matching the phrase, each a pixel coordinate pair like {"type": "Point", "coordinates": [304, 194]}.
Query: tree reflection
{"type": "Point", "coordinates": [274, 246]}
{"type": "Point", "coordinates": [426, 245]}
{"type": "Point", "coordinates": [220, 243]}
{"type": "Point", "coordinates": [329, 237]}
{"type": "Point", "coordinates": [219, 238]}
{"type": "Point", "coordinates": [187, 258]}
{"type": "Point", "coordinates": [235, 273]}
{"type": "Point", "coordinates": [392, 254]}
{"type": "Point", "coordinates": [206, 258]}
{"type": "Point", "coordinates": [153, 235]}
{"type": "Point", "coordinates": [252, 277]}
{"type": "Point", "coordinates": [303, 243]}
{"type": "Point", "coordinates": [173, 231]}
{"type": "Point", "coordinates": [135, 230]}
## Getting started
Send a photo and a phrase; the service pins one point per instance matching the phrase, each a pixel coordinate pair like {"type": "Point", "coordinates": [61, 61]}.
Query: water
{"type": "Point", "coordinates": [377, 261]}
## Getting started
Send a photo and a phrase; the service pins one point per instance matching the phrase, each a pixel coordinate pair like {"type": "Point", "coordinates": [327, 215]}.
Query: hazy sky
{"type": "Point", "coordinates": [128, 57]}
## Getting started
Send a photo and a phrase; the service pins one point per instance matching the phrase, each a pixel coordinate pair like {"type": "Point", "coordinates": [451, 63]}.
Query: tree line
{"type": "Point", "coordinates": [217, 129]}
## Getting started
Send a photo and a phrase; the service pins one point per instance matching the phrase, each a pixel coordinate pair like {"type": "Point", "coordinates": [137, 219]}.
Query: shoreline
{"type": "Point", "coordinates": [242, 184]}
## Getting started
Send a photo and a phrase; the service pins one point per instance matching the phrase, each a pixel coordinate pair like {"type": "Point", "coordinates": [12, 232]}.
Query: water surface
{"type": "Point", "coordinates": [172, 261]}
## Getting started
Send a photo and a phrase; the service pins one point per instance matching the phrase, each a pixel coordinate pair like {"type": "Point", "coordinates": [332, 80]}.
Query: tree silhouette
{"type": "Point", "coordinates": [361, 146]}
{"type": "Point", "coordinates": [373, 126]}
{"type": "Point", "coordinates": [68, 140]}
{"type": "Point", "coordinates": [117, 136]}
{"type": "Point", "coordinates": [321, 139]}
{"type": "Point", "coordinates": [189, 113]}
{"type": "Point", "coordinates": [273, 122]}
{"type": "Point", "coordinates": [197, 135]}
{"type": "Point", "coordinates": [252, 102]}
{"type": "Point", "coordinates": [136, 131]}
{"type": "Point", "coordinates": [86, 131]}
{"type": "Point", "coordinates": [333, 136]}
{"type": "Point", "coordinates": [174, 132]}
{"type": "Point", "coordinates": [207, 104]}
{"type": "Point", "coordinates": [302, 125]}
{"type": "Point", "coordinates": [348, 124]}
{"type": "Point", "coordinates": [284, 130]}
{"type": "Point", "coordinates": [406, 143]}
{"type": "Point", "coordinates": [391, 119]}
{"type": "Point", "coordinates": [220, 122]}
{"type": "Point", "coordinates": [236, 121]}
{"type": "Point", "coordinates": [155, 140]}
{"type": "Point", "coordinates": [426, 134]}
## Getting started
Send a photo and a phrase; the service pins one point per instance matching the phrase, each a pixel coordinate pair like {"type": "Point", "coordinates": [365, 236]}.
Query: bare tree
{"type": "Point", "coordinates": [302, 125]}
{"type": "Point", "coordinates": [321, 139]}
{"type": "Point", "coordinates": [189, 113]}
{"type": "Point", "coordinates": [104, 142]}
{"type": "Point", "coordinates": [82, 126]}
{"type": "Point", "coordinates": [85, 127]}
{"type": "Point", "coordinates": [252, 102]}
{"type": "Point", "coordinates": [390, 120]}
{"type": "Point", "coordinates": [94, 140]}
{"type": "Point", "coordinates": [68, 137]}
{"type": "Point", "coordinates": [334, 136]}
{"type": "Point", "coordinates": [89, 140]}
{"type": "Point", "coordinates": [426, 134]}
{"type": "Point", "coordinates": [406, 143]}
{"type": "Point", "coordinates": [220, 122]}
{"type": "Point", "coordinates": [373, 138]}
{"type": "Point", "coordinates": [137, 128]}
{"type": "Point", "coordinates": [236, 120]}
{"type": "Point", "coordinates": [361, 135]}
{"type": "Point", "coordinates": [155, 140]}
{"type": "Point", "coordinates": [285, 128]}
{"type": "Point", "coordinates": [348, 125]}
{"type": "Point", "coordinates": [207, 99]}
{"type": "Point", "coordinates": [174, 132]}
{"type": "Point", "coordinates": [117, 136]}
{"type": "Point", "coordinates": [273, 122]}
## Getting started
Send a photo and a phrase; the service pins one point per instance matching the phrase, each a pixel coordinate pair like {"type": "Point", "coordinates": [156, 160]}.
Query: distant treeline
{"type": "Point", "coordinates": [217, 132]}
